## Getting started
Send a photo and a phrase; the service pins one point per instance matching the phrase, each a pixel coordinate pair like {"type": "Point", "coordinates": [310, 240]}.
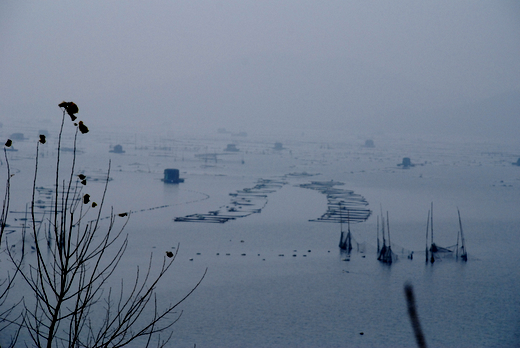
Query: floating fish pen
{"type": "Point", "coordinates": [211, 218]}
{"type": "Point", "coordinates": [300, 174]}
{"type": "Point", "coordinates": [343, 206]}
{"type": "Point", "coordinates": [171, 176]}
{"type": "Point", "coordinates": [207, 157]}
{"type": "Point", "coordinates": [243, 203]}
{"type": "Point", "coordinates": [98, 178]}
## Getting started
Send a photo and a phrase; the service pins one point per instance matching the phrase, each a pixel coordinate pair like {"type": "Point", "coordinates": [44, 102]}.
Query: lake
{"type": "Point", "coordinates": [276, 279]}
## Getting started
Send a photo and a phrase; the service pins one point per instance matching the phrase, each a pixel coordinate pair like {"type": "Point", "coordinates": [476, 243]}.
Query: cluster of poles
{"type": "Point", "coordinates": [384, 251]}
{"type": "Point", "coordinates": [435, 252]}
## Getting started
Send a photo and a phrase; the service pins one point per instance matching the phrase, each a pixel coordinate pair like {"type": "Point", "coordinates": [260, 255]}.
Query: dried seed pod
{"type": "Point", "coordinates": [71, 109]}
{"type": "Point", "coordinates": [82, 128]}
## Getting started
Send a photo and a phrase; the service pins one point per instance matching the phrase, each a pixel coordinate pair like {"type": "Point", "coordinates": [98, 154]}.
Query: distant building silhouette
{"type": "Point", "coordinates": [117, 149]}
{"type": "Point", "coordinates": [231, 148]}
{"type": "Point", "coordinates": [172, 176]}
{"type": "Point", "coordinates": [406, 163]}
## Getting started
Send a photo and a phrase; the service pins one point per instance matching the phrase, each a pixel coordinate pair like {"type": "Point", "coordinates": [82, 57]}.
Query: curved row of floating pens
{"type": "Point", "coordinates": [243, 203]}
{"type": "Point", "coordinates": [342, 205]}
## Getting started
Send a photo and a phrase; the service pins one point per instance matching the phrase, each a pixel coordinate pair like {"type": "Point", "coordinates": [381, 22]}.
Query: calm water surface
{"type": "Point", "coordinates": [275, 279]}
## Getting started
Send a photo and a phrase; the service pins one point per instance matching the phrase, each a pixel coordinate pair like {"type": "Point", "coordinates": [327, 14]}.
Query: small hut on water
{"type": "Point", "coordinates": [406, 163]}
{"type": "Point", "coordinates": [117, 149]}
{"type": "Point", "coordinates": [231, 148]}
{"type": "Point", "coordinates": [278, 146]}
{"type": "Point", "coordinates": [171, 176]}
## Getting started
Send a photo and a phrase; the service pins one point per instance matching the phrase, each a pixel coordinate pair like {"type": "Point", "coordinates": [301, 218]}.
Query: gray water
{"type": "Point", "coordinates": [275, 279]}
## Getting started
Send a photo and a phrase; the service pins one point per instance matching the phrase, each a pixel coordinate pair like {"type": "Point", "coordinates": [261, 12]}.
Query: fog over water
{"type": "Point", "coordinates": [175, 83]}
{"type": "Point", "coordinates": [401, 66]}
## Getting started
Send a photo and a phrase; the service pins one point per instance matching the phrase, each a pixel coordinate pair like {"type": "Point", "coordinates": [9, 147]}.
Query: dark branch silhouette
{"type": "Point", "coordinates": [414, 317]}
{"type": "Point", "coordinates": [70, 302]}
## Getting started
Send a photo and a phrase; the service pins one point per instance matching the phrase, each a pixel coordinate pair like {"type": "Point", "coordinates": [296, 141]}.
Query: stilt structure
{"type": "Point", "coordinates": [427, 230]}
{"type": "Point", "coordinates": [437, 252]}
{"type": "Point", "coordinates": [345, 242]}
{"type": "Point", "coordinates": [378, 249]}
{"type": "Point", "coordinates": [433, 247]}
{"type": "Point", "coordinates": [463, 252]}
{"type": "Point", "coordinates": [385, 254]}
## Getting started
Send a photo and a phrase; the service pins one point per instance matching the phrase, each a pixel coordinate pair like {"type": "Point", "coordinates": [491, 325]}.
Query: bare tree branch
{"type": "Point", "coordinates": [72, 304]}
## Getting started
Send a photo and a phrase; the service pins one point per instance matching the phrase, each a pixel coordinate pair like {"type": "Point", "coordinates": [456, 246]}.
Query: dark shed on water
{"type": "Point", "coordinates": [172, 176]}
{"type": "Point", "coordinates": [117, 149]}
{"type": "Point", "coordinates": [231, 148]}
{"type": "Point", "coordinates": [407, 163]}
{"type": "Point", "coordinates": [369, 143]}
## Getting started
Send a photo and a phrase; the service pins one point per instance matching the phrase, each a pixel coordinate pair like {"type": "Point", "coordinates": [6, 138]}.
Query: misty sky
{"type": "Point", "coordinates": [367, 66]}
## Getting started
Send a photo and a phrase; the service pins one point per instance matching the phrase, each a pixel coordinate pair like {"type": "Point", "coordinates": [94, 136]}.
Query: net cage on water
{"type": "Point", "coordinates": [344, 207]}
{"type": "Point", "coordinates": [243, 203]}
{"type": "Point", "coordinates": [433, 252]}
